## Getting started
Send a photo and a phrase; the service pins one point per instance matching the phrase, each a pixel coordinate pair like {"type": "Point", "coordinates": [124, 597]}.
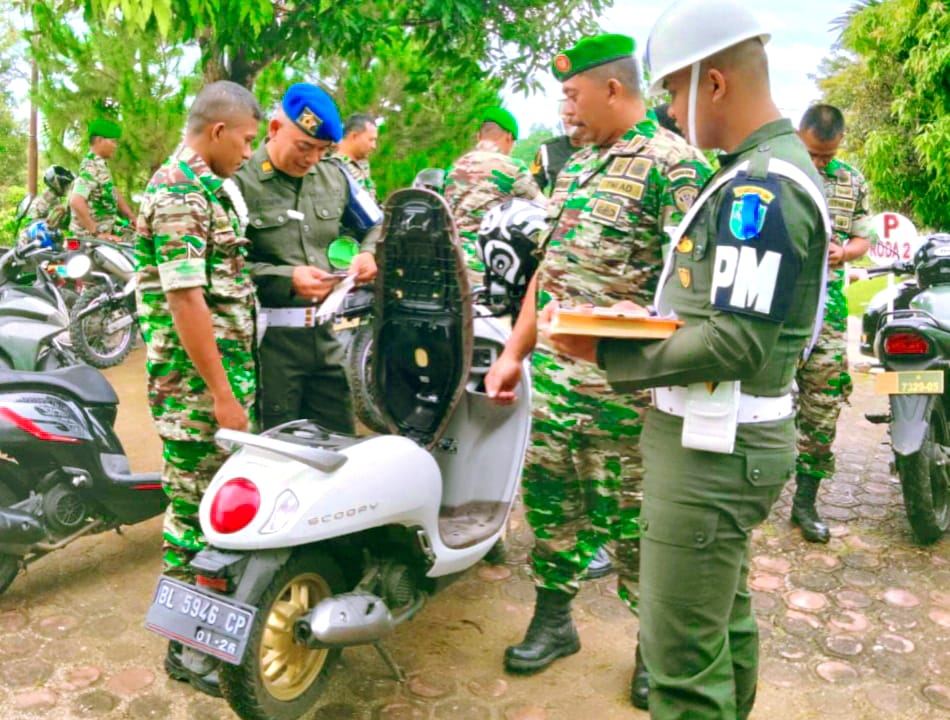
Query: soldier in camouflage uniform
{"type": "Point", "coordinates": [484, 177]}
{"type": "Point", "coordinates": [359, 140]}
{"type": "Point", "coordinates": [196, 305]}
{"type": "Point", "coordinates": [823, 381]}
{"type": "Point", "coordinates": [95, 201]}
{"type": "Point", "coordinates": [608, 212]}
{"type": "Point", "coordinates": [50, 206]}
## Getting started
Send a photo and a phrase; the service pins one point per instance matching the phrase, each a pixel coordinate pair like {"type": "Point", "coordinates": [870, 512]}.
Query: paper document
{"type": "Point", "coordinates": [332, 303]}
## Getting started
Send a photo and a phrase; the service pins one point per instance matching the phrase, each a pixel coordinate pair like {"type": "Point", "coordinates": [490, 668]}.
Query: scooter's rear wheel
{"type": "Point", "coordinates": [9, 564]}
{"type": "Point", "coordinates": [279, 679]}
{"type": "Point", "coordinates": [925, 480]}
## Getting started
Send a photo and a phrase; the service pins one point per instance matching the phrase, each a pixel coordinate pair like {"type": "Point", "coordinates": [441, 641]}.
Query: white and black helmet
{"type": "Point", "coordinates": [509, 244]}
{"type": "Point", "coordinates": [58, 179]}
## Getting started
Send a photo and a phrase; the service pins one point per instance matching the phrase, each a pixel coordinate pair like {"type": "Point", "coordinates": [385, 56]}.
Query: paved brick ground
{"type": "Point", "coordinates": [856, 629]}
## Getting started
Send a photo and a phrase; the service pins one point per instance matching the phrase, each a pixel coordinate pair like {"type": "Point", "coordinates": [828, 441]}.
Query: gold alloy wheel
{"type": "Point", "coordinates": [288, 669]}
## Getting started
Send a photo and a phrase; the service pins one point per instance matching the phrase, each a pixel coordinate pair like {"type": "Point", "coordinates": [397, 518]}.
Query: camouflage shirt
{"type": "Point", "coordinates": [188, 236]}
{"type": "Point", "coordinates": [94, 183]}
{"type": "Point", "coordinates": [360, 171]}
{"type": "Point", "coordinates": [51, 207]}
{"type": "Point", "coordinates": [847, 194]}
{"type": "Point", "coordinates": [609, 214]}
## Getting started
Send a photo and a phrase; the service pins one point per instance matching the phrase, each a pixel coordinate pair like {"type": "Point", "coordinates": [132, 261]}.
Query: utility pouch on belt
{"type": "Point", "coordinates": [361, 212]}
{"type": "Point", "coordinates": [711, 416]}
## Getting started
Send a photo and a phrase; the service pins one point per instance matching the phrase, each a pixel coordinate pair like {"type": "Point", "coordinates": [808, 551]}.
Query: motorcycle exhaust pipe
{"type": "Point", "coordinates": [20, 528]}
{"type": "Point", "coordinates": [358, 618]}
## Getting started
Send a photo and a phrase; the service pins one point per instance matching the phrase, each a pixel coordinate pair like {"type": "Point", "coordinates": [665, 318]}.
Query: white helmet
{"type": "Point", "coordinates": [693, 30]}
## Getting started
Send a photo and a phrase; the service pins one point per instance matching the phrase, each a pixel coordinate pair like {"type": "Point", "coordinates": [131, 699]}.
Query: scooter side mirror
{"type": "Point", "coordinates": [78, 266]}
{"type": "Point", "coordinates": [22, 208]}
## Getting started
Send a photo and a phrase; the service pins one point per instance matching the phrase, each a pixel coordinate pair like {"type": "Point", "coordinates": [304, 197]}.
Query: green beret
{"type": "Point", "coordinates": [503, 119]}
{"type": "Point", "coordinates": [105, 128]}
{"type": "Point", "coordinates": [591, 52]}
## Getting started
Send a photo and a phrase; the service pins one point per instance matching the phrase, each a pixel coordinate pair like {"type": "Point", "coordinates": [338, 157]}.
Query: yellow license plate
{"type": "Point", "coordinates": [909, 382]}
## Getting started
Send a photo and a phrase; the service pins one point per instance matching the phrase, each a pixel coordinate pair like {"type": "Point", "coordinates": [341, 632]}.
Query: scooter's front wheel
{"type": "Point", "coordinates": [279, 679]}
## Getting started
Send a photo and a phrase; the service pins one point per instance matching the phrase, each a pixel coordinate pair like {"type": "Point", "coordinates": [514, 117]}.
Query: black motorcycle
{"type": "Point", "coordinates": [63, 472]}
{"type": "Point", "coordinates": [910, 335]}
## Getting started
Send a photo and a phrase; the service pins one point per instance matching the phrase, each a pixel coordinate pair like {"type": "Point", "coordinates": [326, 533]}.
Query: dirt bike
{"type": "Point", "coordinates": [103, 321]}
{"type": "Point", "coordinates": [320, 541]}
{"type": "Point", "coordinates": [912, 342]}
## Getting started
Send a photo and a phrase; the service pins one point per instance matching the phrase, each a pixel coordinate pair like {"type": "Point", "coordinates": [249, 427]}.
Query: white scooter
{"type": "Point", "coordinates": [320, 541]}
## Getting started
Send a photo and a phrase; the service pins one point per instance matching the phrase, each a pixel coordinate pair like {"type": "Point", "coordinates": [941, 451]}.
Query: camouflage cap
{"type": "Point", "coordinates": [312, 110]}
{"type": "Point", "coordinates": [100, 127]}
{"type": "Point", "coordinates": [503, 119]}
{"type": "Point", "coordinates": [591, 52]}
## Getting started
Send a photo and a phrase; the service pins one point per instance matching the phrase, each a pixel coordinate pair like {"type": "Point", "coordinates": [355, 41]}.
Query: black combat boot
{"type": "Point", "coordinates": [640, 682]}
{"type": "Point", "coordinates": [550, 635]}
{"type": "Point", "coordinates": [804, 513]}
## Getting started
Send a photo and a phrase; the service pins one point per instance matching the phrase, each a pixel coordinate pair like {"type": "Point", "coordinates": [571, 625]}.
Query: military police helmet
{"type": "Point", "coordinates": [932, 261]}
{"type": "Point", "coordinates": [57, 179]}
{"type": "Point", "coordinates": [508, 243]}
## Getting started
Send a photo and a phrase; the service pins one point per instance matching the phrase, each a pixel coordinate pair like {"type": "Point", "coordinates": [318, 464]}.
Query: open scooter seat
{"type": "Point", "coordinates": [83, 382]}
{"type": "Point", "coordinates": [423, 320]}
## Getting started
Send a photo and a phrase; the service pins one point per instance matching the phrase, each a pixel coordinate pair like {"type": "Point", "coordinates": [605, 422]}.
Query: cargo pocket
{"type": "Point", "coordinates": [676, 569]}
{"type": "Point", "coordinates": [766, 472]}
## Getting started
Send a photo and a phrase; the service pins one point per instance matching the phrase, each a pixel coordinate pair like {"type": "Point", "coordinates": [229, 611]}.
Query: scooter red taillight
{"type": "Point", "coordinates": [907, 343]}
{"type": "Point", "coordinates": [235, 505]}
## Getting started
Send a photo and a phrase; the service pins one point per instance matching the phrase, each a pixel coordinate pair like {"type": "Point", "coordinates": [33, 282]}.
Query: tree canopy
{"type": "Point", "coordinates": [892, 79]}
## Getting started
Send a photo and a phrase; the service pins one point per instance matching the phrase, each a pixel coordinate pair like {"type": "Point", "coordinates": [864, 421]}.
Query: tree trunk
{"type": "Point", "coordinates": [217, 65]}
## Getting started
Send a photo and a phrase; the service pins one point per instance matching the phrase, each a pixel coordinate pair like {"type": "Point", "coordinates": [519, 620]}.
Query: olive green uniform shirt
{"type": "Point", "coordinates": [291, 222]}
{"type": "Point", "coordinates": [715, 345]}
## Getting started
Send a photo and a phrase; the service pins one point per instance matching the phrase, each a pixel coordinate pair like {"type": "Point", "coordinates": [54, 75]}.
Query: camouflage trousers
{"type": "Point", "coordinates": [582, 482]}
{"type": "Point", "coordinates": [473, 265]}
{"type": "Point", "coordinates": [824, 386]}
{"type": "Point", "coordinates": [186, 473]}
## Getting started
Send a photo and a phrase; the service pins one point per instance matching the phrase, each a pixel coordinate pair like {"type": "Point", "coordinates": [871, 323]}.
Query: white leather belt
{"type": "Point", "coordinates": [752, 408]}
{"type": "Point", "coordinates": [299, 317]}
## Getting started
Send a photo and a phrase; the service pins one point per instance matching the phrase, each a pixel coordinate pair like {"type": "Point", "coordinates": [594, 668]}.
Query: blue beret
{"type": "Point", "coordinates": [313, 111]}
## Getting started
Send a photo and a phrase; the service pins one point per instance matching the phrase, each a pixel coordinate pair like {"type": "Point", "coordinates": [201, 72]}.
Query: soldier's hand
{"type": "Point", "coordinates": [313, 283]}
{"type": "Point", "coordinates": [364, 267]}
{"type": "Point", "coordinates": [502, 380]}
{"type": "Point", "coordinates": [835, 254]}
{"type": "Point", "coordinates": [230, 414]}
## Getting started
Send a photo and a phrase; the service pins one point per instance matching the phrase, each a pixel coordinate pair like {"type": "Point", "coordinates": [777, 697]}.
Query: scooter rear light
{"type": "Point", "coordinates": [73, 244]}
{"type": "Point", "coordinates": [907, 343]}
{"type": "Point", "coordinates": [221, 584]}
{"type": "Point", "coordinates": [28, 426]}
{"type": "Point", "coordinates": [235, 505]}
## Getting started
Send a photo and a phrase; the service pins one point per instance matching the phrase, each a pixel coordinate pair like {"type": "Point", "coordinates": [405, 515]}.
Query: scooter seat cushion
{"type": "Point", "coordinates": [423, 320]}
{"type": "Point", "coordinates": [81, 381]}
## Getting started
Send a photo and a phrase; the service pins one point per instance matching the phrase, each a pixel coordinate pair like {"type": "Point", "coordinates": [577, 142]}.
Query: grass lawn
{"type": "Point", "coordinates": [860, 293]}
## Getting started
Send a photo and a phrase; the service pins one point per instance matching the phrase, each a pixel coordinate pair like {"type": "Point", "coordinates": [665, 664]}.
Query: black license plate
{"type": "Point", "coordinates": [200, 620]}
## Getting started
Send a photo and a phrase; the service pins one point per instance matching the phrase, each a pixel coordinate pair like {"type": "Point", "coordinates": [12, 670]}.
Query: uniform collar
{"type": "Point", "coordinates": [199, 167]}
{"type": "Point", "coordinates": [834, 168]}
{"type": "Point", "coordinates": [769, 131]}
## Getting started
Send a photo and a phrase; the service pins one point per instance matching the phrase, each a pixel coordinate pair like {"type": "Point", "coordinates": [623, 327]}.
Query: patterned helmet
{"type": "Point", "coordinates": [57, 179]}
{"type": "Point", "coordinates": [508, 244]}
{"type": "Point", "coordinates": [38, 230]}
{"type": "Point", "coordinates": [932, 261]}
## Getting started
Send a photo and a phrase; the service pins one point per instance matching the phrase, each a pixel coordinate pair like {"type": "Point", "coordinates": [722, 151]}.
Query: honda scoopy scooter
{"type": "Point", "coordinates": [320, 541]}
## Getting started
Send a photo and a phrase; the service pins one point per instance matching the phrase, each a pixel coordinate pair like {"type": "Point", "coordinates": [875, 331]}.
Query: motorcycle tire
{"type": "Point", "coordinates": [358, 363]}
{"type": "Point", "coordinates": [279, 679]}
{"type": "Point", "coordinates": [9, 564]}
{"type": "Point", "coordinates": [926, 482]}
{"type": "Point", "coordinates": [89, 341]}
